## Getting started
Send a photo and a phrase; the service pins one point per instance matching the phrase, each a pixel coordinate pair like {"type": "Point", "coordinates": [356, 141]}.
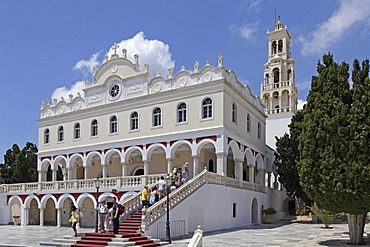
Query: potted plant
{"type": "Point", "coordinates": [268, 215]}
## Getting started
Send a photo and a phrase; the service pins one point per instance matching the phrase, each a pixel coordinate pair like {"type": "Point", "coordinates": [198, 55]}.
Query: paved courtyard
{"type": "Point", "coordinates": [294, 234]}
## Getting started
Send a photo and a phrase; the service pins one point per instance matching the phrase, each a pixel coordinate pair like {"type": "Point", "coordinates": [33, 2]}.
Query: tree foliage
{"type": "Point", "coordinates": [334, 145]}
{"type": "Point", "coordinates": [20, 165]}
{"type": "Point", "coordinates": [287, 156]}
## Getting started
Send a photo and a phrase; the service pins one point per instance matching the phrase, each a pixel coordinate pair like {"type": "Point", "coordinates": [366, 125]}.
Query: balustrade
{"type": "Point", "coordinates": [114, 182]}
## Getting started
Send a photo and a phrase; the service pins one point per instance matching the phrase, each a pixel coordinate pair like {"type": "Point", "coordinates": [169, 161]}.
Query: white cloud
{"type": "Point", "coordinates": [254, 5]}
{"type": "Point", "coordinates": [87, 66]}
{"type": "Point", "coordinates": [348, 14]}
{"type": "Point", "coordinates": [301, 103]}
{"type": "Point", "coordinates": [152, 52]}
{"type": "Point", "coordinates": [245, 30]}
{"type": "Point", "coordinates": [65, 92]}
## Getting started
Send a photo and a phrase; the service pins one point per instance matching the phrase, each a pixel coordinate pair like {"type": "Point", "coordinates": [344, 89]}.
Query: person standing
{"type": "Point", "coordinates": [161, 188]}
{"type": "Point", "coordinates": [144, 197]}
{"type": "Point", "coordinates": [115, 214]}
{"type": "Point", "coordinates": [103, 211]}
{"type": "Point", "coordinates": [75, 217]}
{"type": "Point", "coordinates": [184, 172]}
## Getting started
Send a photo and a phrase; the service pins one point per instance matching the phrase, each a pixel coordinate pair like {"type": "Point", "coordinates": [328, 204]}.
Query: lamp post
{"type": "Point", "coordinates": [168, 187]}
{"type": "Point", "coordinates": [97, 185]}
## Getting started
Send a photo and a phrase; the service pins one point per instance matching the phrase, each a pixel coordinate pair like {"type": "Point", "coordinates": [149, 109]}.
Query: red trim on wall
{"type": "Point", "coordinates": [172, 142]}
{"type": "Point", "coordinates": [125, 148]}
{"type": "Point", "coordinates": [148, 145]}
{"type": "Point", "coordinates": [164, 144]}
{"type": "Point", "coordinates": [229, 139]}
{"type": "Point", "coordinates": [46, 157]}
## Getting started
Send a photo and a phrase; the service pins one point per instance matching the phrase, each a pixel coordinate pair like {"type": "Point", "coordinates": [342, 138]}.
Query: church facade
{"type": "Point", "coordinates": [130, 128]}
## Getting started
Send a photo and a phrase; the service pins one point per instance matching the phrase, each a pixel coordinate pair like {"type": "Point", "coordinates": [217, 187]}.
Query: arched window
{"type": "Point", "coordinates": [60, 134]}
{"type": "Point", "coordinates": [267, 77]}
{"type": "Point", "coordinates": [77, 131]}
{"type": "Point", "coordinates": [181, 113]}
{"type": "Point", "coordinates": [113, 125]}
{"type": "Point", "coordinates": [207, 108]}
{"type": "Point", "coordinates": [134, 121]}
{"type": "Point", "coordinates": [276, 75]}
{"type": "Point", "coordinates": [248, 123]}
{"type": "Point", "coordinates": [46, 136]}
{"type": "Point", "coordinates": [259, 130]}
{"type": "Point", "coordinates": [274, 47]}
{"type": "Point", "coordinates": [94, 127]}
{"type": "Point", "coordinates": [157, 117]}
{"type": "Point", "coordinates": [234, 113]}
{"type": "Point", "coordinates": [280, 46]}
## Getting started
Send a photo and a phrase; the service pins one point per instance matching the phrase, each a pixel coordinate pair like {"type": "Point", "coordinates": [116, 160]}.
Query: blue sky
{"type": "Point", "coordinates": [47, 48]}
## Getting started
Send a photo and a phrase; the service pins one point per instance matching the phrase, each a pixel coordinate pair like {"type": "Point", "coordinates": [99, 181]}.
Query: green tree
{"type": "Point", "coordinates": [334, 167]}
{"type": "Point", "coordinates": [20, 165]}
{"type": "Point", "coordinates": [286, 158]}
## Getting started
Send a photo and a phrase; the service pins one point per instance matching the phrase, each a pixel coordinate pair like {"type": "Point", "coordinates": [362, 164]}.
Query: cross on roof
{"type": "Point", "coordinates": [115, 47]}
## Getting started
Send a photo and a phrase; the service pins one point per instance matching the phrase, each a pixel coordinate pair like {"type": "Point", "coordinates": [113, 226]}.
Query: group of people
{"type": "Point", "coordinates": [112, 214]}
{"type": "Point", "coordinates": [178, 177]}
{"type": "Point", "coordinates": [105, 215]}
{"type": "Point", "coordinates": [148, 198]}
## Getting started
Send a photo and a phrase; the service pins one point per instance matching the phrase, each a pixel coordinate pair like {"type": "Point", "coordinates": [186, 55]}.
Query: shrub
{"type": "Point", "coordinates": [269, 211]}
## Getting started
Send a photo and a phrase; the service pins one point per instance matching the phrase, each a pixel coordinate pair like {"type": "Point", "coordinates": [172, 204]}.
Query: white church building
{"type": "Point", "coordinates": [131, 128]}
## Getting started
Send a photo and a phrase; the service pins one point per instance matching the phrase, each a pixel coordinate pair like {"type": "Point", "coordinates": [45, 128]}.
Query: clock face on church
{"type": "Point", "coordinates": [114, 91]}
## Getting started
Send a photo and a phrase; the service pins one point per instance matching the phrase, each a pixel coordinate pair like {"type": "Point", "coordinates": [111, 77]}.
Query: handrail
{"type": "Point", "coordinates": [116, 182]}
{"type": "Point", "coordinates": [158, 209]}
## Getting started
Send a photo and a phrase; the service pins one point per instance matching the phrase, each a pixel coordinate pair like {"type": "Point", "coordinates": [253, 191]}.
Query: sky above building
{"type": "Point", "coordinates": [49, 48]}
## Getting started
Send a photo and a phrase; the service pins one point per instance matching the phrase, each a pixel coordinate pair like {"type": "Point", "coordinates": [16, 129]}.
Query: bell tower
{"type": "Point", "coordinates": [278, 90]}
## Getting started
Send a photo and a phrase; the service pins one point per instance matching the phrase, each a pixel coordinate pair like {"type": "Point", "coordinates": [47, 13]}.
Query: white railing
{"type": "Point", "coordinates": [114, 182]}
{"type": "Point", "coordinates": [158, 209]}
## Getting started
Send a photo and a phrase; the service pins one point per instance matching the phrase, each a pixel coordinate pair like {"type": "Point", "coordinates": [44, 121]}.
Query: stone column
{"type": "Point", "coordinates": [124, 168]}
{"type": "Point", "coordinates": [239, 169]}
{"type": "Point", "coordinates": [146, 172]}
{"type": "Point", "coordinates": [44, 176]}
{"type": "Point", "coordinates": [69, 172]}
{"type": "Point", "coordinates": [87, 172]}
{"type": "Point", "coordinates": [221, 163]}
{"type": "Point", "coordinates": [169, 165]}
{"type": "Point", "coordinates": [195, 164]}
{"type": "Point", "coordinates": [251, 173]}
{"type": "Point", "coordinates": [54, 175]}
{"type": "Point", "coordinates": [40, 176]}
{"type": "Point", "coordinates": [59, 217]}
{"type": "Point", "coordinates": [41, 217]}
{"type": "Point", "coordinates": [105, 170]}
{"type": "Point", "coordinates": [25, 216]}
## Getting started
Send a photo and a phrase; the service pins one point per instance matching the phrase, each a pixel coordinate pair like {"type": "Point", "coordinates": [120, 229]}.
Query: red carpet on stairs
{"type": "Point", "coordinates": [128, 229]}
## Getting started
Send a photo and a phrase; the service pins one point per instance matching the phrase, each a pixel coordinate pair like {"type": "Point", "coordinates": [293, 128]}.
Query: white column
{"type": "Point", "coordinates": [69, 172]}
{"type": "Point", "coordinates": [41, 217]}
{"type": "Point", "coordinates": [221, 164]}
{"type": "Point", "coordinates": [40, 176]}
{"type": "Point", "coordinates": [105, 170]}
{"type": "Point", "coordinates": [59, 217]}
{"type": "Point", "coordinates": [169, 166]}
{"type": "Point", "coordinates": [25, 216]}
{"type": "Point", "coordinates": [65, 174]}
{"type": "Point", "coordinates": [54, 175]}
{"type": "Point", "coordinates": [87, 172]}
{"type": "Point", "coordinates": [195, 164]}
{"type": "Point", "coordinates": [251, 173]}
{"type": "Point", "coordinates": [44, 176]}
{"type": "Point", "coordinates": [146, 172]}
{"type": "Point", "coordinates": [280, 107]}
{"type": "Point", "coordinates": [239, 170]}
{"type": "Point", "coordinates": [124, 169]}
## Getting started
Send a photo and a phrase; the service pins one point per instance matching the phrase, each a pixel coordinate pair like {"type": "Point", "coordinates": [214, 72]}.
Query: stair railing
{"type": "Point", "coordinates": [158, 209]}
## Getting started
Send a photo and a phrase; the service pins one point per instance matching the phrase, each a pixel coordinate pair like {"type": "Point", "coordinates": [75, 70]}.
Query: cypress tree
{"type": "Point", "coordinates": [334, 165]}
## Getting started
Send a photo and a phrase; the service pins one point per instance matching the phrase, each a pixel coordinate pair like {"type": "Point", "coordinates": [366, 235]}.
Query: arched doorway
{"type": "Point", "coordinates": [138, 172]}
{"type": "Point", "coordinates": [254, 211]}
{"type": "Point", "coordinates": [211, 166]}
